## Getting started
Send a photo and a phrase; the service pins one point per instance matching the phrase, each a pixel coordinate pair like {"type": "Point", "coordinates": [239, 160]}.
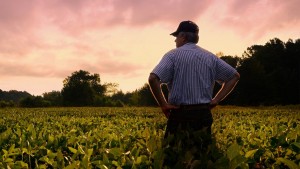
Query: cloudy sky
{"type": "Point", "coordinates": [44, 41]}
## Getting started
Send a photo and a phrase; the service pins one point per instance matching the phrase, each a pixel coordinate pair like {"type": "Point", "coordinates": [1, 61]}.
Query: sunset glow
{"type": "Point", "coordinates": [43, 42]}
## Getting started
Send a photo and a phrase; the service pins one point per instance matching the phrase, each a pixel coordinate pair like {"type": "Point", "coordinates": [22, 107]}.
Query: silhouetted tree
{"type": "Point", "coordinates": [145, 96]}
{"type": "Point", "coordinates": [53, 97]}
{"type": "Point", "coordinates": [34, 101]}
{"type": "Point", "coordinates": [232, 61]}
{"type": "Point", "coordinates": [122, 98]}
{"type": "Point", "coordinates": [270, 74]}
{"type": "Point", "coordinates": [81, 89]}
{"type": "Point", "coordinates": [13, 95]}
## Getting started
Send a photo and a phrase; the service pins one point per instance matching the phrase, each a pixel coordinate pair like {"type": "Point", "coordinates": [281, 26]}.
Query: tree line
{"type": "Point", "coordinates": [269, 76]}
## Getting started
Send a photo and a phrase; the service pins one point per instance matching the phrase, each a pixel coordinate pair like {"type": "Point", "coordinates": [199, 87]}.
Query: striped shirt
{"type": "Point", "coordinates": [190, 73]}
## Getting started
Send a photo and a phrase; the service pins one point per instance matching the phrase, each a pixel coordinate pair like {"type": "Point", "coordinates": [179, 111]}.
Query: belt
{"type": "Point", "coordinates": [194, 106]}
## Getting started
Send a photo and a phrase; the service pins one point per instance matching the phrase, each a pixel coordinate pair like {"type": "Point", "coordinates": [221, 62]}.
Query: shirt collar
{"type": "Point", "coordinates": [188, 45]}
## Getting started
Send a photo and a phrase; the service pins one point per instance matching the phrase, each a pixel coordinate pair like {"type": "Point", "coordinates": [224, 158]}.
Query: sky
{"type": "Point", "coordinates": [42, 42]}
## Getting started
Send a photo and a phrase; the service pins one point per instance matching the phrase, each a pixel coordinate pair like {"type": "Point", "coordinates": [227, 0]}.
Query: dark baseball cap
{"type": "Point", "coordinates": [186, 26]}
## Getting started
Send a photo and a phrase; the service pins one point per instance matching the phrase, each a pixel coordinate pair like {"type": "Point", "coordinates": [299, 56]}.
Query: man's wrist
{"type": "Point", "coordinates": [163, 104]}
{"type": "Point", "coordinates": [216, 101]}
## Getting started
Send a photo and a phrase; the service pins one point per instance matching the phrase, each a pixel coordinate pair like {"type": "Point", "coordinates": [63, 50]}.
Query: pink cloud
{"type": "Point", "coordinates": [22, 21]}
{"type": "Point", "coordinates": [79, 16]}
{"type": "Point", "coordinates": [147, 12]}
{"type": "Point", "coordinates": [14, 14]}
{"type": "Point", "coordinates": [256, 18]}
{"type": "Point", "coordinates": [22, 69]}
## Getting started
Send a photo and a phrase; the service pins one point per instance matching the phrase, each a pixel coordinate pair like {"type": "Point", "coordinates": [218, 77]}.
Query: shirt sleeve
{"type": "Point", "coordinates": [224, 72]}
{"type": "Point", "coordinates": [165, 68]}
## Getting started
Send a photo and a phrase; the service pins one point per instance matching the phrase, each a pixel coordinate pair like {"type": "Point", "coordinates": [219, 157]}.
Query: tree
{"type": "Point", "coordinates": [53, 97]}
{"type": "Point", "coordinates": [270, 74]}
{"type": "Point", "coordinates": [232, 61]}
{"type": "Point", "coordinates": [110, 88]}
{"type": "Point", "coordinates": [147, 99]}
{"type": "Point", "coordinates": [81, 89]}
{"type": "Point", "coordinates": [13, 95]}
{"type": "Point", "coordinates": [121, 97]}
{"type": "Point", "coordinates": [34, 101]}
{"type": "Point", "coordinates": [6, 103]}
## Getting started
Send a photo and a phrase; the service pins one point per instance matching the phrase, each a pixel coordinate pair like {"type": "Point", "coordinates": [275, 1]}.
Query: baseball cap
{"type": "Point", "coordinates": [186, 26]}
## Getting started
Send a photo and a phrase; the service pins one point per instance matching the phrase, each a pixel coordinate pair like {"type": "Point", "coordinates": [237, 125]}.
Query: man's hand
{"type": "Point", "coordinates": [155, 86]}
{"type": "Point", "coordinates": [213, 103]}
{"type": "Point", "coordinates": [166, 109]}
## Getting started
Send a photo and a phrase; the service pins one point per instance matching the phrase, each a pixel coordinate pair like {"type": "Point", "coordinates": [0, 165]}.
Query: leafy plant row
{"type": "Point", "coordinates": [133, 138]}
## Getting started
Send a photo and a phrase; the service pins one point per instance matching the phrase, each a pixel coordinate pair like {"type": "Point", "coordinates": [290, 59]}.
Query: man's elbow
{"type": "Point", "coordinates": [152, 78]}
{"type": "Point", "coordinates": [237, 76]}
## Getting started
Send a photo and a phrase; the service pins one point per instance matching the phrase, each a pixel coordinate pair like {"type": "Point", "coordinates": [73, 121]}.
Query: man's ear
{"type": "Point", "coordinates": [184, 37]}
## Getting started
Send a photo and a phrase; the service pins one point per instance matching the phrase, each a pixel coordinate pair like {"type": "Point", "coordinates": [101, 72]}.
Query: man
{"type": "Point", "coordinates": [190, 73]}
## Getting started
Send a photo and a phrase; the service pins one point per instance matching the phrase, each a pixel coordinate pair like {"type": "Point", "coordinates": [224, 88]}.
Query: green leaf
{"type": "Point", "coordinates": [21, 164]}
{"type": "Point", "coordinates": [135, 152]}
{"type": "Point", "coordinates": [8, 160]}
{"type": "Point", "coordinates": [233, 151]}
{"type": "Point", "coordinates": [288, 152]}
{"type": "Point", "coordinates": [18, 132]}
{"type": "Point", "coordinates": [11, 149]}
{"type": "Point", "coordinates": [30, 127]}
{"type": "Point", "coordinates": [5, 152]}
{"type": "Point", "coordinates": [85, 161]}
{"type": "Point", "coordinates": [47, 160]}
{"type": "Point", "coordinates": [238, 161]}
{"type": "Point", "coordinates": [73, 165]}
{"type": "Point", "coordinates": [80, 150]}
{"type": "Point", "coordinates": [105, 159]}
{"type": "Point", "coordinates": [60, 156]}
{"type": "Point", "coordinates": [141, 159]}
{"type": "Point", "coordinates": [115, 163]}
{"type": "Point", "coordinates": [100, 164]}
{"type": "Point", "coordinates": [50, 154]}
{"type": "Point", "coordinates": [138, 160]}
{"type": "Point", "coordinates": [158, 157]}
{"type": "Point", "coordinates": [90, 152]}
{"type": "Point", "coordinates": [116, 152]}
{"type": "Point", "coordinates": [103, 167]}
{"type": "Point", "coordinates": [250, 153]}
{"type": "Point", "coordinates": [73, 150]}
{"type": "Point", "coordinates": [289, 163]}
{"type": "Point", "coordinates": [50, 139]}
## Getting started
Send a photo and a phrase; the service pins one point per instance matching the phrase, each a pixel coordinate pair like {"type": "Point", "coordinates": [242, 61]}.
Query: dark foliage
{"type": "Point", "coordinates": [13, 95]}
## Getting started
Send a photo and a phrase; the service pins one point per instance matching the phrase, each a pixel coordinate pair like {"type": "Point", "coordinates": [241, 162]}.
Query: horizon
{"type": "Point", "coordinates": [43, 42]}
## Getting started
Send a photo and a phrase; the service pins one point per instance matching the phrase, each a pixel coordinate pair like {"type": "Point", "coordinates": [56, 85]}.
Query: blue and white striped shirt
{"type": "Point", "coordinates": [190, 73]}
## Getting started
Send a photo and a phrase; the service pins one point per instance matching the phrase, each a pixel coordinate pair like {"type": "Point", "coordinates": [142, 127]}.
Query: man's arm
{"type": "Point", "coordinates": [226, 88]}
{"type": "Point", "coordinates": [155, 86]}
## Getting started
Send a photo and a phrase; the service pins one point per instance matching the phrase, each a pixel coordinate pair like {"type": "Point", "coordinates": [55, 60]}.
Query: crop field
{"type": "Point", "coordinates": [105, 138]}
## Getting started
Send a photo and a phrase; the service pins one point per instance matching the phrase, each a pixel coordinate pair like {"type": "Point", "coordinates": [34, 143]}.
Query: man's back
{"type": "Point", "coordinates": [190, 73]}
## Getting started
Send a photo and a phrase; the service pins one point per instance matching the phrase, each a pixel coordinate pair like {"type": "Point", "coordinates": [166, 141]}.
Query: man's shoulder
{"type": "Point", "coordinates": [194, 50]}
{"type": "Point", "coordinates": [205, 52]}
{"type": "Point", "coordinates": [171, 52]}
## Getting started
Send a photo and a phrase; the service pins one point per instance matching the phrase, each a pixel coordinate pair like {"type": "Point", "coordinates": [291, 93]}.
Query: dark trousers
{"type": "Point", "coordinates": [187, 137]}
